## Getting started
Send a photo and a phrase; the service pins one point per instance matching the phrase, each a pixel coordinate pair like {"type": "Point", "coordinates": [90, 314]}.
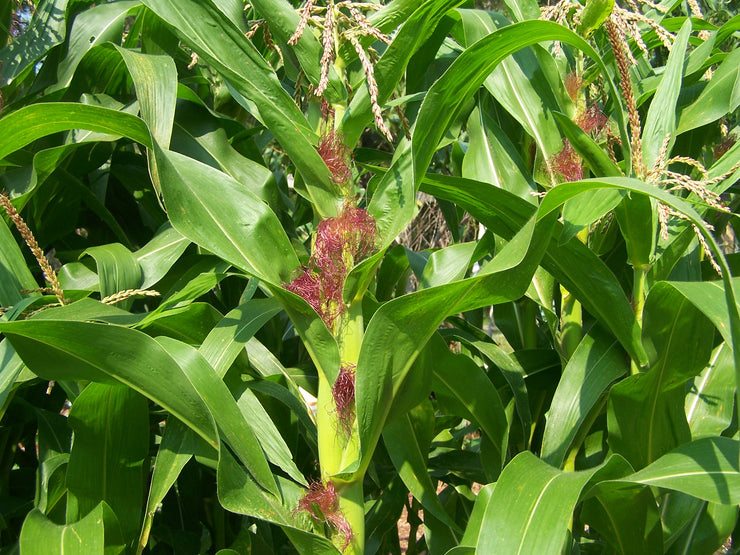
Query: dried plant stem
{"type": "Point", "coordinates": [49, 275]}
{"type": "Point", "coordinates": [625, 83]}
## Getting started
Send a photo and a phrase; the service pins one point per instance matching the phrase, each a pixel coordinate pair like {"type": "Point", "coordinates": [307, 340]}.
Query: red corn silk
{"type": "Point", "coordinates": [337, 156]}
{"type": "Point", "coordinates": [322, 503]}
{"type": "Point", "coordinates": [567, 163]}
{"type": "Point", "coordinates": [592, 120]}
{"type": "Point", "coordinates": [340, 241]}
{"type": "Point", "coordinates": [343, 392]}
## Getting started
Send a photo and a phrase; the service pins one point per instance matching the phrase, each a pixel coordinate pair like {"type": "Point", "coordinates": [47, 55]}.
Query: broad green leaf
{"type": "Point", "coordinates": [48, 29]}
{"type": "Point", "coordinates": [678, 511]}
{"type": "Point", "coordinates": [319, 342]}
{"type": "Point", "coordinates": [661, 117]}
{"type": "Point", "coordinates": [516, 516]}
{"type": "Point", "coordinates": [203, 275]}
{"type": "Point", "coordinates": [627, 518]}
{"type": "Point", "coordinates": [11, 366]}
{"type": "Point", "coordinates": [14, 273]}
{"type": "Point", "coordinates": [572, 264]}
{"type": "Point", "coordinates": [291, 397]}
{"type": "Point", "coordinates": [593, 15]}
{"type": "Point", "coordinates": [455, 377]}
{"type": "Point", "coordinates": [267, 434]}
{"type": "Point", "coordinates": [199, 135]}
{"type": "Point", "coordinates": [155, 79]}
{"type": "Point", "coordinates": [586, 210]}
{"type": "Point", "coordinates": [710, 528]}
{"type": "Point", "coordinates": [24, 126]}
{"type": "Point", "coordinates": [159, 254]}
{"type": "Point", "coordinates": [492, 158]}
{"type": "Point", "coordinates": [706, 468]}
{"type": "Point", "coordinates": [447, 264]}
{"type": "Point", "coordinates": [179, 443]}
{"type": "Point", "coordinates": [111, 442]}
{"type": "Point", "coordinates": [381, 371]}
{"type": "Point", "coordinates": [646, 415]}
{"type": "Point", "coordinates": [229, 52]}
{"type": "Point", "coordinates": [511, 370]}
{"type": "Point", "coordinates": [523, 9]}
{"type": "Point", "coordinates": [90, 28]}
{"type": "Point", "coordinates": [638, 222]}
{"type": "Point", "coordinates": [519, 85]}
{"type": "Point", "coordinates": [565, 191]}
{"type": "Point", "coordinates": [41, 536]}
{"type": "Point", "coordinates": [234, 427]}
{"type": "Point", "coordinates": [118, 269]}
{"type": "Point", "coordinates": [107, 353]}
{"type": "Point", "coordinates": [238, 493]}
{"type": "Point", "coordinates": [728, 29]}
{"type": "Point", "coordinates": [407, 440]}
{"type": "Point", "coordinates": [709, 400]}
{"type": "Point", "coordinates": [597, 362]}
{"type": "Point", "coordinates": [448, 94]}
{"type": "Point", "coordinates": [225, 218]}
{"type": "Point", "coordinates": [721, 96]}
{"type": "Point", "coordinates": [473, 529]}
{"type": "Point", "coordinates": [707, 296]}
{"type": "Point", "coordinates": [229, 337]}
{"type": "Point", "coordinates": [391, 66]}
{"type": "Point", "coordinates": [393, 204]}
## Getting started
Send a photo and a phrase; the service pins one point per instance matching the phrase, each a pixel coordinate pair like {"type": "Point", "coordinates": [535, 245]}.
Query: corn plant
{"type": "Point", "coordinates": [360, 277]}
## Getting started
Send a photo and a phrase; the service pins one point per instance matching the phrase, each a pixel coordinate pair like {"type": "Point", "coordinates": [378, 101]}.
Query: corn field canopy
{"type": "Point", "coordinates": [369, 277]}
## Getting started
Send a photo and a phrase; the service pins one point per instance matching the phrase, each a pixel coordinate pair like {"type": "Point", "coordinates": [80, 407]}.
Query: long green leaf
{"type": "Point", "coordinates": [155, 79]}
{"type": "Point", "coordinates": [106, 353]}
{"type": "Point", "coordinates": [706, 468]}
{"type": "Point", "coordinates": [238, 493]}
{"type": "Point", "coordinates": [24, 126]}
{"type": "Point", "coordinates": [572, 264]}
{"type": "Point", "coordinates": [159, 254]}
{"type": "Point", "coordinates": [646, 416]}
{"type": "Point", "coordinates": [518, 83]}
{"type": "Point", "coordinates": [721, 96]}
{"type": "Point", "coordinates": [410, 320]}
{"type": "Point", "coordinates": [223, 46]}
{"type": "Point", "coordinates": [407, 441]}
{"type": "Point", "coordinates": [455, 376]}
{"type": "Point", "coordinates": [111, 442]}
{"type": "Point", "coordinates": [492, 158]}
{"type": "Point", "coordinates": [91, 28]}
{"type": "Point", "coordinates": [661, 117]}
{"type": "Point", "coordinates": [627, 518]}
{"type": "Point", "coordinates": [225, 218]}
{"type": "Point", "coordinates": [48, 29]}
{"type": "Point", "coordinates": [117, 268]}
{"type": "Point", "coordinates": [596, 363]}
{"type": "Point", "coordinates": [532, 497]}
{"type": "Point", "coordinates": [234, 427]}
{"type": "Point", "coordinates": [41, 536]}
{"type": "Point", "coordinates": [14, 273]}
{"type": "Point", "coordinates": [468, 72]}
{"type": "Point", "coordinates": [709, 401]}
